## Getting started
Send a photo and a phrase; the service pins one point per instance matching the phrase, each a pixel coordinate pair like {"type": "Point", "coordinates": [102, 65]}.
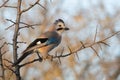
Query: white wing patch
{"type": "Point", "coordinates": [38, 42]}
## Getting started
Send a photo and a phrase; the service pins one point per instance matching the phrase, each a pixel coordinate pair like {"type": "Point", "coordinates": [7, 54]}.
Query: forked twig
{"type": "Point", "coordinates": [31, 6]}
{"type": "Point", "coordinates": [4, 3]}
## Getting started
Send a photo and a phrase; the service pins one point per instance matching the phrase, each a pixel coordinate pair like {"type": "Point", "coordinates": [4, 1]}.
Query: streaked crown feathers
{"type": "Point", "coordinates": [59, 20]}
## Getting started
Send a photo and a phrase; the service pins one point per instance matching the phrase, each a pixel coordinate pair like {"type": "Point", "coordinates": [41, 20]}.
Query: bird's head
{"type": "Point", "coordinates": [60, 26]}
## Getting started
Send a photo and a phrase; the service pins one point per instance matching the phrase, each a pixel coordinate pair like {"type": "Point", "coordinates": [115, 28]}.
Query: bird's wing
{"type": "Point", "coordinates": [35, 42]}
{"type": "Point", "coordinates": [51, 40]}
{"type": "Point", "coordinates": [53, 37]}
{"type": "Point", "coordinates": [30, 49]}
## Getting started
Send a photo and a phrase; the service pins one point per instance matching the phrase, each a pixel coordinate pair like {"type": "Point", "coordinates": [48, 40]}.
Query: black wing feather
{"type": "Point", "coordinates": [42, 40]}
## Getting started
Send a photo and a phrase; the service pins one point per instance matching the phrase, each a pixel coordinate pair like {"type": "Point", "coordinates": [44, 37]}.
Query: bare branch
{"type": "Point", "coordinates": [9, 26]}
{"type": "Point", "coordinates": [104, 43]}
{"type": "Point", "coordinates": [29, 26]}
{"type": "Point", "coordinates": [10, 6]}
{"type": "Point", "coordinates": [26, 25]}
{"type": "Point", "coordinates": [60, 54]}
{"type": "Point", "coordinates": [21, 42]}
{"type": "Point", "coordinates": [15, 37]}
{"type": "Point", "coordinates": [111, 36]}
{"type": "Point", "coordinates": [29, 62]}
{"type": "Point", "coordinates": [10, 44]}
{"type": "Point", "coordinates": [84, 47]}
{"type": "Point", "coordinates": [95, 51]}
{"type": "Point", "coordinates": [77, 56]}
{"type": "Point", "coordinates": [82, 44]}
{"type": "Point", "coordinates": [8, 61]}
{"type": "Point", "coordinates": [1, 61]}
{"type": "Point", "coordinates": [42, 6]}
{"type": "Point", "coordinates": [3, 45]}
{"type": "Point", "coordinates": [70, 49]}
{"type": "Point", "coordinates": [100, 46]}
{"type": "Point", "coordinates": [8, 67]}
{"type": "Point", "coordinates": [11, 21]}
{"type": "Point", "coordinates": [5, 52]}
{"type": "Point", "coordinates": [31, 6]}
{"type": "Point", "coordinates": [4, 3]}
{"type": "Point", "coordinates": [59, 60]}
{"type": "Point", "coordinates": [95, 35]}
{"type": "Point", "coordinates": [71, 52]}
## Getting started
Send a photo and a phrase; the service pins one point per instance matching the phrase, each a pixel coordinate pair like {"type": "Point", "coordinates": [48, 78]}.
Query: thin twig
{"type": "Point", "coordinates": [59, 60]}
{"type": "Point", "coordinates": [29, 62]}
{"type": "Point", "coordinates": [8, 61]}
{"type": "Point", "coordinates": [5, 52]}
{"type": "Point", "coordinates": [104, 43]}
{"type": "Point", "coordinates": [11, 21]}
{"type": "Point", "coordinates": [26, 24]}
{"type": "Point", "coordinates": [10, 6]}
{"type": "Point", "coordinates": [71, 52]}
{"type": "Point", "coordinates": [1, 61]}
{"type": "Point", "coordinates": [10, 44]}
{"type": "Point", "coordinates": [111, 36]}
{"type": "Point", "coordinates": [8, 67]}
{"type": "Point", "coordinates": [101, 41]}
{"type": "Point", "coordinates": [4, 3]}
{"type": "Point", "coordinates": [100, 46]}
{"type": "Point", "coordinates": [3, 45]}
{"type": "Point", "coordinates": [42, 6]}
{"type": "Point", "coordinates": [29, 26]}
{"type": "Point", "coordinates": [77, 56]}
{"type": "Point", "coordinates": [31, 6]}
{"type": "Point", "coordinates": [21, 42]}
{"type": "Point", "coordinates": [95, 35]}
{"type": "Point", "coordinates": [95, 51]}
{"type": "Point", "coordinates": [9, 26]}
{"type": "Point", "coordinates": [82, 44]}
{"type": "Point", "coordinates": [61, 54]}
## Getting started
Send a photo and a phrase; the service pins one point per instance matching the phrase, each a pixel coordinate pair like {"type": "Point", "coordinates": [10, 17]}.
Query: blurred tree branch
{"type": "Point", "coordinates": [19, 25]}
{"type": "Point", "coordinates": [15, 36]}
{"type": "Point", "coordinates": [4, 4]}
{"type": "Point", "coordinates": [88, 46]}
{"type": "Point", "coordinates": [7, 6]}
{"type": "Point", "coordinates": [82, 47]}
{"type": "Point", "coordinates": [26, 24]}
{"type": "Point", "coordinates": [1, 61]}
{"type": "Point", "coordinates": [31, 6]}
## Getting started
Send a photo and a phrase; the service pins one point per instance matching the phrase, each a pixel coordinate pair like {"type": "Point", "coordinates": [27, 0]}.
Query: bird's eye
{"type": "Point", "coordinates": [59, 25]}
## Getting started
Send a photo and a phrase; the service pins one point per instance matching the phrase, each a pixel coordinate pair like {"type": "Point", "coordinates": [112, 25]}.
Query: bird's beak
{"type": "Point", "coordinates": [66, 28]}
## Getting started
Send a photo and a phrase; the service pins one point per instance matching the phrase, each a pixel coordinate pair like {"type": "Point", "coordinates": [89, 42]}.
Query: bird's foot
{"type": "Point", "coordinates": [40, 59]}
{"type": "Point", "coordinates": [50, 57]}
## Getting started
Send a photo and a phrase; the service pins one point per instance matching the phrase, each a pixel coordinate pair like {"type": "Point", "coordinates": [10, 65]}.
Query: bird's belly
{"type": "Point", "coordinates": [46, 49]}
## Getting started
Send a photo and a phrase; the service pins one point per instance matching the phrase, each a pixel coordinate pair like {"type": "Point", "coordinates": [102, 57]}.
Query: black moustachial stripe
{"type": "Point", "coordinates": [59, 29]}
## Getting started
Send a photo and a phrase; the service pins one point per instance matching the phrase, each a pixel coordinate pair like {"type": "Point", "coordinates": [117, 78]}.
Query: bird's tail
{"type": "Point", "coordinates": [22, 58]}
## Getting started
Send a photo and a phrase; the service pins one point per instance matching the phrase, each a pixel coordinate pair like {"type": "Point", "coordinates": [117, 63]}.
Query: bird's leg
{"type": "Point", "coordinates": [40, 59]}
{"type": "Point", "coordinates": [50, 57]}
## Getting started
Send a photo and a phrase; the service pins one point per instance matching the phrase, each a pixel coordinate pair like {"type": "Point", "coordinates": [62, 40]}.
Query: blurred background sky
{"type": "Point", "coordinates": [82, 17]}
